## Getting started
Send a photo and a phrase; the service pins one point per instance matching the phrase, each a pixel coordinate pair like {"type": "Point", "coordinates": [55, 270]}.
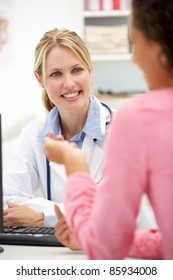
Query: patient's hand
{"type": "Point", "coordinates": [21, 215]}
{"type": "Point", "coordinates": [66, 153]}
{"type": "Point", "coordinates": [63, 232]}
{"type": "Point", "coordinates": [57, 149]}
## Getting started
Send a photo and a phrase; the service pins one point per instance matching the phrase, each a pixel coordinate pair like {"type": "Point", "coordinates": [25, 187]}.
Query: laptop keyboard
{"type": "Point", "coordinates": [30, 230]}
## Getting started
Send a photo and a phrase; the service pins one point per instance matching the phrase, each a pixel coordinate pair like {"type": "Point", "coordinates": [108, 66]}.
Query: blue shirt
{"type": "Point", "coordinates": [92, 125]}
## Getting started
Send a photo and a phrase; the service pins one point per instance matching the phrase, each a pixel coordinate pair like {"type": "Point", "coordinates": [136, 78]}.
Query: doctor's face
{"type": "Point", "coordinates": [67, 80]}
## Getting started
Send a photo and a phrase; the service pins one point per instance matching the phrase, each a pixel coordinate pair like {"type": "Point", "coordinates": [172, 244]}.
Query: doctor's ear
{"type": "Point", "coordinates": [39, 80]}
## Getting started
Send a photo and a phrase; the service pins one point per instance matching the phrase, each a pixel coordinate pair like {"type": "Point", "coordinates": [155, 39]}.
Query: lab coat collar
{"type": "Point", "coordinates": [94, 126]}
{"type": "Point", "coordinates": [51, 124]}
{"type": "Point", "coordinates": [93, 149]}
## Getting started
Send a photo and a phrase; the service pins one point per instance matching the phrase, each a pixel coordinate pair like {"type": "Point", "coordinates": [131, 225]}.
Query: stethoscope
{"type": "Point", "coordinates": [90, 157]}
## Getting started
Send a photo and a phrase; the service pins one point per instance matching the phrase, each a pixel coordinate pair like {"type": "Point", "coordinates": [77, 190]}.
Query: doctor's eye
{"type": "Point", "coordinates": [77, 70]}
{"type": "Point", "coordinates": [55, 74]}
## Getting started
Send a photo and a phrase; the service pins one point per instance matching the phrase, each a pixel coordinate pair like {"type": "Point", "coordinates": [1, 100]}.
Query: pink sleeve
{"type": "Point", "coordinates": [146, 245]}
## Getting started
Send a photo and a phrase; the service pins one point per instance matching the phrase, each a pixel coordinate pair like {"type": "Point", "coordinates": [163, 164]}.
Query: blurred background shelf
{"type": "Point", "coordinates": [106, 35]}
{"type": "Point", "coordinates": [99, 14]}
{"type": "Point", "coordinates": [110, 57]}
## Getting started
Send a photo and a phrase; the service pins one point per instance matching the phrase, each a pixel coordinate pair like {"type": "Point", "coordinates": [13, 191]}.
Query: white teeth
{"type": "Point", "coordinates": [71, 95]}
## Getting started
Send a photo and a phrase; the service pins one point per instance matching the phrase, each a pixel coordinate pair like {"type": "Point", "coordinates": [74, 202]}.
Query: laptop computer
{"type": "Point", "coordinates": [23, 235]}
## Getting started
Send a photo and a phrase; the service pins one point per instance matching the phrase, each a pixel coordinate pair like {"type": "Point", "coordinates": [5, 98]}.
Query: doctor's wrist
{"type": "Point", "coordinates": [39, 219]}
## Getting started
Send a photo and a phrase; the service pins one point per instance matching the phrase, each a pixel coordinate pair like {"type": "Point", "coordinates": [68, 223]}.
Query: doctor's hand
{"type": "Point", "coordinates": [21, 215]}
{"type": "Point", "coordinates": [63, 232]}
{"type": "Point", "coordinates": [64, 152]}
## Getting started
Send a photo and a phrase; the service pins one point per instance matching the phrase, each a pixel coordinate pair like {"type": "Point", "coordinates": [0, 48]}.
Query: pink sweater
{"type": "Point", "coordinates": [138, 159]}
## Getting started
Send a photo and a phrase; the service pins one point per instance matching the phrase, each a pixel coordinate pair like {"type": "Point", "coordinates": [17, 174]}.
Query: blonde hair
{"type": "Point", "coordinates": [59, 37]}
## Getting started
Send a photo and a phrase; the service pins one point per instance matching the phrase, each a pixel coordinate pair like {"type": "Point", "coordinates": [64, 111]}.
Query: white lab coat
{"type": "Point", "coordinates": [25, 180]}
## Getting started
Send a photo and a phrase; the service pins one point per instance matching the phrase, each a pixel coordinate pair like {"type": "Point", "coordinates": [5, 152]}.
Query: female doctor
{"type": "Point", "coordinates": [32, 185]}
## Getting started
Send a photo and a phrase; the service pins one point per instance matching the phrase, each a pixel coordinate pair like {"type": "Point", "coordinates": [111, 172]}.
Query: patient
{"type": "Point", "coordinates": [138, 155]}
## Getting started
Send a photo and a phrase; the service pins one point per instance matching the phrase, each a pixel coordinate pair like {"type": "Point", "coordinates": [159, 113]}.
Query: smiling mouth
{"type": "Point", "coordinates": [71, 95]}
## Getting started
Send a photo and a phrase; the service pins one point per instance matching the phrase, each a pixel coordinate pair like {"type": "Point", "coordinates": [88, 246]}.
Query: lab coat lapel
{"type": "Point", "coordinates": [96, 154]}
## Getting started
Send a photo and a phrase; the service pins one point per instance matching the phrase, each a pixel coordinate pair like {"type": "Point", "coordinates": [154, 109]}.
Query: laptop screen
{"type": "Point", "coordinates": [1, 194]}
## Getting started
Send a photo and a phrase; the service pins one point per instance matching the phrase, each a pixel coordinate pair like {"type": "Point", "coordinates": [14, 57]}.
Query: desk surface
{"type": "Point", "coordinates": [16, 252]}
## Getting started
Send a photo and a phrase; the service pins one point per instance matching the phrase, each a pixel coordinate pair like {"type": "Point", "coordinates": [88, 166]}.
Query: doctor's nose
{"type": "Point", "coordinates": [68, 83]}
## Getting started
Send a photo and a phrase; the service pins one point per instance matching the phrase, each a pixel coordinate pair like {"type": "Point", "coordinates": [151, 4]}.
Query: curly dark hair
{"type": "Point", "coordinates": [155, 19]}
